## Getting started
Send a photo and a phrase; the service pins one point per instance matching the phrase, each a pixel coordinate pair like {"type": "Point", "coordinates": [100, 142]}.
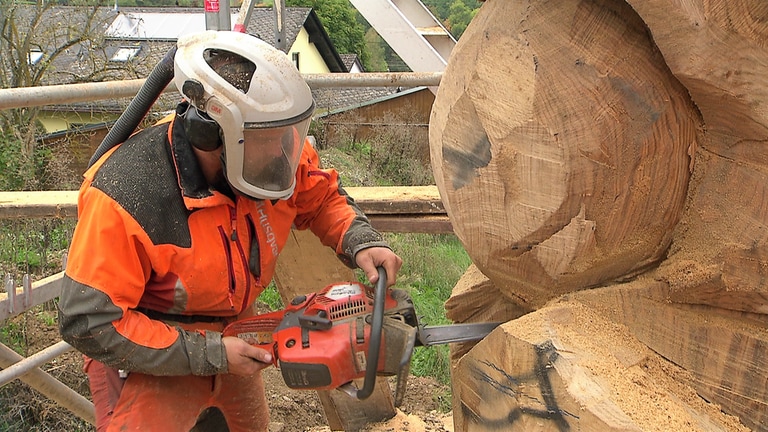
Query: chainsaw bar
{"type": "Point", "coordinates": [452, 333]}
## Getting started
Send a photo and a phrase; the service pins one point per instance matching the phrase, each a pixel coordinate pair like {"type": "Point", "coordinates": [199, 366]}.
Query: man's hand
{"type": "Point", "coordinates": [243, 358]}
{"type": "Point", "coordinates": [371, 258]}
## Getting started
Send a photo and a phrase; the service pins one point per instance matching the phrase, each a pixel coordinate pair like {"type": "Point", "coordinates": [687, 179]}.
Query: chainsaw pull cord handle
{"type": "Point", "coordinates": [374, 343]}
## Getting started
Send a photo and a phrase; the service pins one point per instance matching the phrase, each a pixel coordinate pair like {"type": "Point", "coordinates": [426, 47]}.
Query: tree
{"type": "Point", "coordinates": [455, 15]}
{"type": "Point", "coordinates": [340, 21]}
{"type": "Point", "coordinates": [375, 44]}
{"type": "Point", "coordinates": [459, 17]}
{"type": "Point", "coordinates": [32, 38]}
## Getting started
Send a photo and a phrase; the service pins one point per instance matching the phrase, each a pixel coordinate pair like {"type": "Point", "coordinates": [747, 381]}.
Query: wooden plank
{"type": "Point", "coordinates": [42, 291]}
{"type": "Point", "coordinates": [38, 204]}
{"type": "Point", "coordinates": [429, 224]}
{"type": "Point", "coordinates": [398, 199]}
{"type": "Point", "coordinates": [392, 200]}
{"type": "Point", "coordinates": [306, 266]}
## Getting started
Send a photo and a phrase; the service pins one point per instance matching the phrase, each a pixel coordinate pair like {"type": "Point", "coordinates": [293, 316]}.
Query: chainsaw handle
{"type": "Point", "coordinates": [374, 343]}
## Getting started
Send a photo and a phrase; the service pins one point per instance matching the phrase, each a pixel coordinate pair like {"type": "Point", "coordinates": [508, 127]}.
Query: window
{"type": "Point", "coordinates": [295, 58]}
{"type": "Point", "coordinates": [125, 53]}
{"type": "Point", "coordinates": [34, 56]}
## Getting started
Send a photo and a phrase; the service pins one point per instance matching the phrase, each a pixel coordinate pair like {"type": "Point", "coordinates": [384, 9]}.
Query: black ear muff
{"type": "Point", "coordinates": [202, 131]}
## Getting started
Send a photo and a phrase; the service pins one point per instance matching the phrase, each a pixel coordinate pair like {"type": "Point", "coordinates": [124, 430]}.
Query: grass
{"type": "Point", "coordinates": [33, 246]}
{"type": "Point", "coordinates": [432, 264]}
{"type": "Point", "coordinates": [23, 409]}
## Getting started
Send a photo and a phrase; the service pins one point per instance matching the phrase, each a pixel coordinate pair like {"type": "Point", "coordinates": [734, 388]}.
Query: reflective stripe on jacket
{"type": "Point", "coordinates": [153, 235]}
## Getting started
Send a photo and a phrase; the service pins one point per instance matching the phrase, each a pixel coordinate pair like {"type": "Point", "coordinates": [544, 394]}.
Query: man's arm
{"type": "Point", "coordinates": [326, 208]}
{"type": "Point", "coordinates": [107, 270]}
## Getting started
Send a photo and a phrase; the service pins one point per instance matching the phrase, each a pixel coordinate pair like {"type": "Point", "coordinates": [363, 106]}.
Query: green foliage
{"type": "Point", "coordinates": [455, 15]}
{"type": "Point", "coordinates": [12, 336]}
{"type": "Point", "coordinates": [47, 317]}
{"type": "Point", "coordinates": [271, 297]}
{"type": "Point", "coordinates": [18, 169]}
{"type": "Point", "coordinates": [12, 165]}
{"type": "Point", "coordinates": [34, 246]}
{"type": "Point", "coordinates": [377, 61]}
{"type": "Point", "coordinates": [340, 21]}
{"type": "Point", "coordinates": [432, 264]}
{"type": "Point", "coordinates": [459, 18]}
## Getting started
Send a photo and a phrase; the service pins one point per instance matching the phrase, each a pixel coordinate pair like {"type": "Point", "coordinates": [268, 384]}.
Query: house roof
{"type": "Point", "coordinates": [127, 43]}
{"type": "Point", "coordinates": [141, 36]}
{"type": "Point", "coordinates": [339, 100]}
{"type": "Point", "coordinates": [350, 61]}
{"type": "Point", "coordinates": [334, 99]}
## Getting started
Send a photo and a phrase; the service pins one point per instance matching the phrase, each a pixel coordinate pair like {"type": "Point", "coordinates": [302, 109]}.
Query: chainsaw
{"type": "Point", "coordinates": [328, 339]}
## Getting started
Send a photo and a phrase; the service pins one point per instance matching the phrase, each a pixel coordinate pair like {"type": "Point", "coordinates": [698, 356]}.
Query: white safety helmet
{"type": "Point", "coordinates": [263, 118]}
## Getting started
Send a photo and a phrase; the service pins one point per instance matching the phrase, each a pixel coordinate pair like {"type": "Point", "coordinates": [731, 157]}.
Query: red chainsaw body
{"type": "Point", "coordinates": [320, 341]}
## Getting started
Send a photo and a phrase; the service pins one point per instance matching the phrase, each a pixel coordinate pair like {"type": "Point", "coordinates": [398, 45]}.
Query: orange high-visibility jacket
{"type": "Point", "coordinates": [156, 244]}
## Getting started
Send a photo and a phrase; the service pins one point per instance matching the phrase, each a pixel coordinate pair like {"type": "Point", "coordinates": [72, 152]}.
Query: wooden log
{"type": "Point", "coordinates": [475, 298]}
{"type": "Point", "coordinates": [306, 266]}
{"type": "Point", "coordinates": [705, 308]}
{"type": "Point", "coordinates": [561, 145]}
{"type": "Point", "coordinates": [566, 367]}
{"type": "Point", "coordinates": [725, 352]}
{"type": "Point", "coordinates": [717, 49]}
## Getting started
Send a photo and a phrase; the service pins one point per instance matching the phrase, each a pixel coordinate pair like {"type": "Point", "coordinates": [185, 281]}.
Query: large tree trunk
{"type": "Point", "coordinates": [590, 143]}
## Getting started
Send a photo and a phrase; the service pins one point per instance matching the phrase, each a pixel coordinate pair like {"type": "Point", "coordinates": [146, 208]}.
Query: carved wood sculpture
{"type": "Point", "coordinates": [606, 159]}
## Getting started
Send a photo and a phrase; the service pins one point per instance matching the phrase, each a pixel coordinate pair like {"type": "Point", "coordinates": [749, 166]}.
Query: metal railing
{"type": "Point", "coordinates": [71, 93]}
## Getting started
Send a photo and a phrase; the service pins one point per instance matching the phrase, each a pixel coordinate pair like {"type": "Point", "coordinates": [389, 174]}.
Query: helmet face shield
{"type": "Point", "coordinates": [271, 157]}
{"type": "Point", "coordinates": [263, 163]}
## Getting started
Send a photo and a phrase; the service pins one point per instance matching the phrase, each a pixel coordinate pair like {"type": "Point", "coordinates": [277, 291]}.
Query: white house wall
{"type": "Point", "coordinates": [310, 60]}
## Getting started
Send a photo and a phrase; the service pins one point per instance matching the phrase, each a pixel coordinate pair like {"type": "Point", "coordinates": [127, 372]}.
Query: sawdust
{"type": "Point", "coordinates": [601, 364]}
{"type": "Point", "coordinates": [301, 411]}
{"type": "Point", "coordinates": [402, 422]}
{"type": "Point", "coordinates": [654, 393]}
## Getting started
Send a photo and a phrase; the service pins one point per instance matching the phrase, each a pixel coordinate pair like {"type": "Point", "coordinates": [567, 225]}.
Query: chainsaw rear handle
{"type": "Point", "coordinates": [374, 344]}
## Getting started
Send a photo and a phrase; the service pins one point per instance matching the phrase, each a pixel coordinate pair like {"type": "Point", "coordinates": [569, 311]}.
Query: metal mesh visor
{"type": "Point", "coordinates": [271, 155]}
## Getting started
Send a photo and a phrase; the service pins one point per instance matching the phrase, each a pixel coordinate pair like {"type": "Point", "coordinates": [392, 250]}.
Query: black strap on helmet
{"type": "Point", "coordinates": [202, 131]}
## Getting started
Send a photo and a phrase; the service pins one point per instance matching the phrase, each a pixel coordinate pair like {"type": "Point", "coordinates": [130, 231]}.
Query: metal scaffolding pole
{"type": "Point", "coordinates": [71, 93]}
{"type": "Point", "coordinates": [46, 384]}
{"type": "Point", "coordinates": [36, 360]}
